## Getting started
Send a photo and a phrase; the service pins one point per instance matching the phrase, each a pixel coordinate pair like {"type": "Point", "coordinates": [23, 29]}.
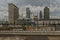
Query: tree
{"type": "Point", "coordinates": [23, 24]}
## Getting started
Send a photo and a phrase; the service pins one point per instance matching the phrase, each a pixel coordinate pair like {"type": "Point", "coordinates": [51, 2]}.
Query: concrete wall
{"type": "Point", "coordinates": [29, 37]}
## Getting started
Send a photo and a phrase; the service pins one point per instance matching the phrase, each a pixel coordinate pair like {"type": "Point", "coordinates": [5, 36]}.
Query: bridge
{"type": "Point", "coordinates": [34, 35]}
{"type": "Point", "coordinates": [29, 35]}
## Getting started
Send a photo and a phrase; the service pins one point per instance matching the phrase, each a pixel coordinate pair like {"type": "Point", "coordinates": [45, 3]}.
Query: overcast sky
{"type": "Point", "coordinates": [34, 5]}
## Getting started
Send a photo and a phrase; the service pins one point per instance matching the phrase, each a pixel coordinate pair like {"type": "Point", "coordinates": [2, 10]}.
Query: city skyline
{"type": "Point", "coordinates": [35, 7]}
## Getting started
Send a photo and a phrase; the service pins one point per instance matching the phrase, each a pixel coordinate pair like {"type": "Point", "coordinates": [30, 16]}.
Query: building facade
{"type": "Point", "coordinates": [40, 15]}
{"type": "Point", "coordinates": [28, 13]}
{"type": "Point", "coordinates": [13, 13]}
{"type": "Point", "coordinates": [46, 13]}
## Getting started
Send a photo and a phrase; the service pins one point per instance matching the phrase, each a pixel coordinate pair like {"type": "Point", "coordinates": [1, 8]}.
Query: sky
{"type": "Point", "coordinates": [35, 6]}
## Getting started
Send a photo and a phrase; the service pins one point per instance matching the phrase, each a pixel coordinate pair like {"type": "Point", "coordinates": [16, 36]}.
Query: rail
{"type": "Point", "coordinates": [29, 32]}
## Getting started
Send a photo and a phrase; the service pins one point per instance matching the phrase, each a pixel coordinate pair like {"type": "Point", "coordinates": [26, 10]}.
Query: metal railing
{"type": "Point", "coordinates": [30, 32]}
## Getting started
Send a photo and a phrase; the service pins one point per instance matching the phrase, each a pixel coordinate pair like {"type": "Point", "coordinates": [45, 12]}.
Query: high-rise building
{"type": "Point", "coordinates": [13, 13]}
{"type": "Point", "coordinates": [46, 13]}
{"type": "Point", "coordinates": [40, 15]}
{"type": "Point", "coordinates": [28, 13]}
